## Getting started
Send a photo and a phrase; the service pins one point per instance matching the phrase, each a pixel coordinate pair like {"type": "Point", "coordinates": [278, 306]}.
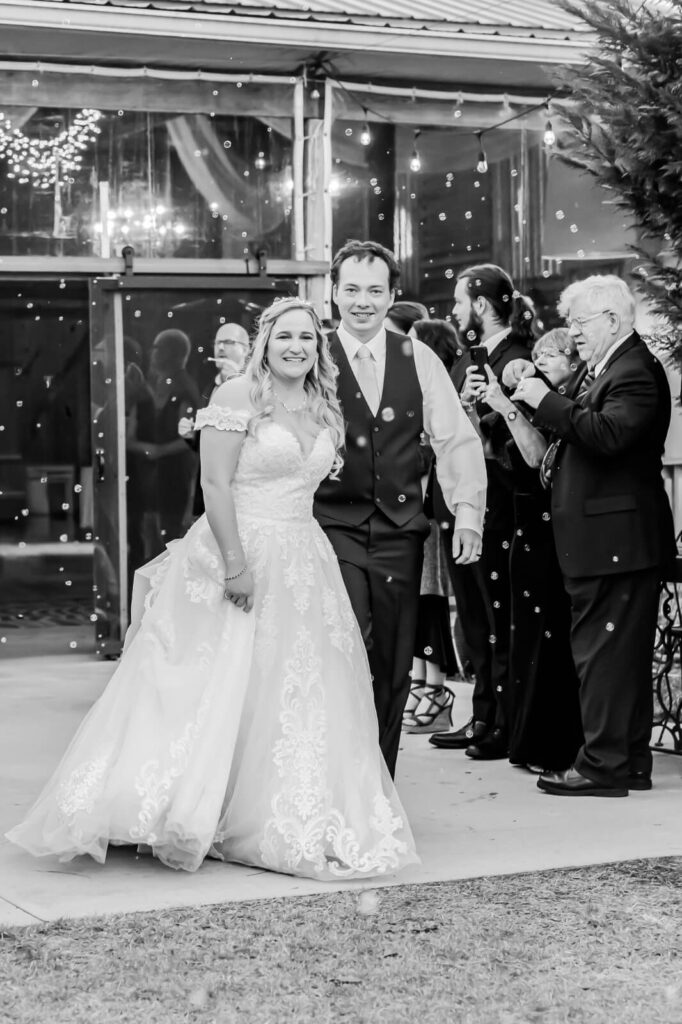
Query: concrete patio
{"type": "Point", "coordinates": [469, 819]}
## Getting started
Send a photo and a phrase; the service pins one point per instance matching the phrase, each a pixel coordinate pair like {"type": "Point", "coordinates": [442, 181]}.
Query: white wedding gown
{"type": "Point", "coordinates": [247, 736]}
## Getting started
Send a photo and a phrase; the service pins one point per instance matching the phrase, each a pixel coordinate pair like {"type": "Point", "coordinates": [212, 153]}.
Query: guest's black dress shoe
{"type": "Point", "coordinates": [640, 781]}
{"type": "Point", "coordinates": [460, 738]}
{"type": "Point", "coordinates": [572, 783]}
{"type": "Point", "coordinates": [492, 747]}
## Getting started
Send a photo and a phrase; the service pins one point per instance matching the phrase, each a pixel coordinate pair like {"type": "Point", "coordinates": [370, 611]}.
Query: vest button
{"type": "Point", "coordinates": [377, 453]}
{"type": "Point", "coordinates": [375, 429]}
{"type": "Point", "coordinates": [401, 498]}
{"type": "Point", "coordinates": [378, 476]}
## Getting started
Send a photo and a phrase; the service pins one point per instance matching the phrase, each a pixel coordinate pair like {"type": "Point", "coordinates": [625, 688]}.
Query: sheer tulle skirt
{"type": "Point", "coordinates": [250, 737]}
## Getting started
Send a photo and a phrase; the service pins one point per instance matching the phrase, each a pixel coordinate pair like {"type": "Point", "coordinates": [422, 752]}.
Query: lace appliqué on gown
{"type": "Point", "coordinates": [305, 826]}
{"type": "Point", "coordinates": [222, 418]}
{"type": "Point", "coordinates": [153, 782]}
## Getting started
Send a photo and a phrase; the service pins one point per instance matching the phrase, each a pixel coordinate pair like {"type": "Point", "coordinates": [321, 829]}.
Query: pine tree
{"type": "Point", "coordinates": [624, 109]}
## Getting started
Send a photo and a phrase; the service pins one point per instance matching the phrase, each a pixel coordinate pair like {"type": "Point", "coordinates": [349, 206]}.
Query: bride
{"type": "Point", "coordinates": [240, 722]}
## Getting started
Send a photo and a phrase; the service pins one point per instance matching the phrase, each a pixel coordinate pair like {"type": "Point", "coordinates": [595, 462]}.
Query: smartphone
{"type": "Point", "coordinates": [479, 357]}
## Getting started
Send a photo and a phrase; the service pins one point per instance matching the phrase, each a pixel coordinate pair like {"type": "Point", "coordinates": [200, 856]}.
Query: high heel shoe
{"type": "Point", "coordinates": [417, 689]}
{"type": "Point", "coordinates": [437, 711]}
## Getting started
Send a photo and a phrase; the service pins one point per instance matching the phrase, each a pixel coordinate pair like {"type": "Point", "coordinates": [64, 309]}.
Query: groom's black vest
{"type": "Point", "coordinates": [382, 468]}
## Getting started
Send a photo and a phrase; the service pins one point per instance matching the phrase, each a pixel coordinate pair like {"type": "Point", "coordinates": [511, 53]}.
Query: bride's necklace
{"type": "Point", "coordinates": [292, 408]}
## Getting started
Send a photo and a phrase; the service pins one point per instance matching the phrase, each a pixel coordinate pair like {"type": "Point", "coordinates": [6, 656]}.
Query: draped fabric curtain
{"type": "Point", "coordinates": [251, 202]}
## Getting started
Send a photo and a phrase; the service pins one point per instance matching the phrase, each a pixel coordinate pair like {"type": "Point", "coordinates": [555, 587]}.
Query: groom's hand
{"type": "Point", "coordinates": [466, 546]}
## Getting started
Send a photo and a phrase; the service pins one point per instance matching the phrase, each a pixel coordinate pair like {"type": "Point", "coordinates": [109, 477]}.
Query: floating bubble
{"type": "Point", "coordinates": [610, 626]}
{"type": "Point", "coordinates": [449, 273]}
{"type": "Point", "coordinates": [388, 414]}
{"type": "Point", "coordinates": [63, 538]}
{"type": "Point", "coordinates": [368, 903]}
{"type": "Point", "coordinates": [349, 132]}
{"type": "Point", "coordinates": [442, 216]}
{"type": "Point", "coordinates": [471, 335]}
{"type": "Point", "coordinates": [560, 215]}
{"type": "Point", "coordinates": [573, 228]}
{"type": "Point", "coordinates": [73, 645]}
{"type": "Point", "coordinates": [468, 214]}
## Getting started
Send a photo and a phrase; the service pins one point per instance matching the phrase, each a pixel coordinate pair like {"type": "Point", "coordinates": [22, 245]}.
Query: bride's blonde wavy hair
{"type": "Point", "coordinates": [319, 384]}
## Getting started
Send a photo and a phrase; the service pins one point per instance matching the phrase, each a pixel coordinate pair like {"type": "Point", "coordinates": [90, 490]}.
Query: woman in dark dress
{"type": "Point", "coordinates": [429, 705]}
{"type": "Point", "coordinates": [545, 730]}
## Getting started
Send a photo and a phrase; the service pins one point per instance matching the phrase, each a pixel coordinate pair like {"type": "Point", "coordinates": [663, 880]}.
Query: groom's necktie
{"type": "Point", "coordinates": [366, 373]}
{"type": "Point", "coordinates": [549, 460]}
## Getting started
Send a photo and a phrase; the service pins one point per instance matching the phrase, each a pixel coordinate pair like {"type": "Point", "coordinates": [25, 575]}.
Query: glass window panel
{"type": "Point", "coordinates": [46, 484]}
{"type": "Point", "coordinates": [452, 212]}
{"type": "Point", "coordinates": [190, 185]}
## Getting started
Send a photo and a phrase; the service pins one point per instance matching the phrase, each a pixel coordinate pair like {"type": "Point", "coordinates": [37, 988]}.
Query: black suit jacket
{"type": "Point", "coordinates": [610, 511]}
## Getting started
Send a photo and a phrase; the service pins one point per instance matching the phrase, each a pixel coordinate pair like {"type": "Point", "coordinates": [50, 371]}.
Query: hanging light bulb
{"type": "Point", "coordinates": [415, 161]}
{"type": "Point", "coordinates": [315, 94]}
{"type": "Point", "coordinates": [259, 162]}
{"type": "Point", "coordinates": [482, 164]}
{"type": "Point", "coordinates": [549, 138]}
{"type": "Point", "coordinates": [365, 134]}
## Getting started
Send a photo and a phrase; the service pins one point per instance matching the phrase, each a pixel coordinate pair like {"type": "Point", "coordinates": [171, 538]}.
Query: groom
{"type": "Point", "coordinates": [392, 390]}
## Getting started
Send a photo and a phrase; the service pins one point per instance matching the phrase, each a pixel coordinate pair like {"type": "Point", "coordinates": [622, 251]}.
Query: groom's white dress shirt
{"type": "Point", "coordinates": [460, 466]}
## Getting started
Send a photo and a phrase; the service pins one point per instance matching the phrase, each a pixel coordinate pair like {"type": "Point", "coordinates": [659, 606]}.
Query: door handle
{"type": "Point", "coordinates": [99, 459]}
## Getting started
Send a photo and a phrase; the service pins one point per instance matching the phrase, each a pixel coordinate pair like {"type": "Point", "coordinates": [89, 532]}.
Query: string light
{"type": "Point", "coordinates": [482, 164]}
{"type": "Point", "coordinates": [549, 138]}
{"type": "Point", "coordinates": [415, 162]}
{"type": "Point", "coordinates": [365, 134]}
{"type": "Point", "coordinates": [45, 162]}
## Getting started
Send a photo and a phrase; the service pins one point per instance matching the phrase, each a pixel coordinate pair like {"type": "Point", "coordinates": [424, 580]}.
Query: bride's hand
{"type": "Point", "coordinates": [240, 591]}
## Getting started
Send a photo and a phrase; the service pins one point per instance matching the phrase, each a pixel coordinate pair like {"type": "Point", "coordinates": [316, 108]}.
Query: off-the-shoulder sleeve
{"type": "Point", "coordinates": [222, 418]}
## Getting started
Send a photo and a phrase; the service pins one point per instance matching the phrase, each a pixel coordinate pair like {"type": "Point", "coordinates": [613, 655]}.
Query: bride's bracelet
{"type": "Point", "coordinates": [226, 579]}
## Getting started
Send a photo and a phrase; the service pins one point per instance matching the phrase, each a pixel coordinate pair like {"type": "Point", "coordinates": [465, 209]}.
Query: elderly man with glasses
{"type": "Point", "coordinates": [613, 529]}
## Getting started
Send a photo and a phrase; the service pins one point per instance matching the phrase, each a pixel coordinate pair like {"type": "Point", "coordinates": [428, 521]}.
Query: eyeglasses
{"type": "Point", "coordinates": [549, 353]}
{"type": "Point", "coordinates": [579, 322]}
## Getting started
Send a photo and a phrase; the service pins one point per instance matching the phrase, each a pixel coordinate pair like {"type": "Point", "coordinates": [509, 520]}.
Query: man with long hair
{"type": "Point", "coordinates": [392, 389]}
{"type": "Point", "coordinates": [489, 312]}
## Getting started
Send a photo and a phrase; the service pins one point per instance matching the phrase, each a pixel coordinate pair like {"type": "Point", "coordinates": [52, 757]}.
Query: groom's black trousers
{"type": "Point", "coordinates": [381, 566]}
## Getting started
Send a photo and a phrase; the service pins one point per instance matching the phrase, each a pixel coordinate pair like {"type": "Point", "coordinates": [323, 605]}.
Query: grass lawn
{"type": "Point", "coordinates": [599, 944]}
